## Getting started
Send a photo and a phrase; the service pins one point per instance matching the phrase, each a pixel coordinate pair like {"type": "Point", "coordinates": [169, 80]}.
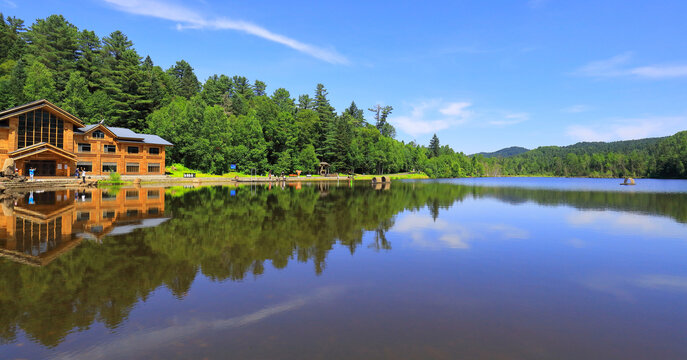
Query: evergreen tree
{"type": "Point", "coordinates": [186, 83]}
{"type": "Point", "coordinates": [356, 114]}
{"type": "Point", "coordinates": [259, 88]}
{"type": "Point", "coordinates": [122, 80]}
{"type": "Point", "coordinates": [434, 147]}
{"type": "Point", "coordinates": [89, 60]}
{"type": "Point", "coordinates": [54, 43]}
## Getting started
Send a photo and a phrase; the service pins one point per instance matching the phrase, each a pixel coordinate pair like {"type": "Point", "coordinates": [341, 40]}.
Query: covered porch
{"type": "Point", "coordinates": [48, 160]}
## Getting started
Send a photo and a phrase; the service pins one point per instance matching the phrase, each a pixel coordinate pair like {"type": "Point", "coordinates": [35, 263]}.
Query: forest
{"type": "Point", "coordinates": [229, 120]}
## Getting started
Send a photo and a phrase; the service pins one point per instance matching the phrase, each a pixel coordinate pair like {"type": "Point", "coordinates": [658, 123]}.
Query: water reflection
{"type": "Point", "coordinates": [104, 254]}
{"type": "Point", "coordinates": [40, 226]}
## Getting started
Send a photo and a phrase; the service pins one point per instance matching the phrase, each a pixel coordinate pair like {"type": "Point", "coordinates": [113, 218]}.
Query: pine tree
{"type": "Point", "coordinates": [186, 83]}
{"type": "Point", "coordinates": [325, 114]}
{"type": "Point", "coordinates": [356, 114]}
{"type": "Point", "coordinates": [54, 43]}
{"type": "Point", "coordinates": [434, 146]}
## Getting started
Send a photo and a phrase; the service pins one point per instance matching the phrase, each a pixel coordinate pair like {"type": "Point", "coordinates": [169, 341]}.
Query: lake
{"type": "Point", "coordinates": [507, 268]}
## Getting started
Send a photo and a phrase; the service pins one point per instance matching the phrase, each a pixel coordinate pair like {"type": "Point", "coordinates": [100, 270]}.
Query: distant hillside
{"type": "Point", "coordinates": [507, 152]}
{"type": "Point", "coordinates": [664, 157]}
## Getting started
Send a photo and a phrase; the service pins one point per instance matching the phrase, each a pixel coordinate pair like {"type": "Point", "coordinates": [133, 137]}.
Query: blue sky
{"type": "Point", "coordinates": [483, 75]}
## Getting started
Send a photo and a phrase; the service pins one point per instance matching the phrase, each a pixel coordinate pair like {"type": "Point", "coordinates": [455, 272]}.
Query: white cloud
{"type": "Point", "coordinates": [9, 3]}
{"type": "Point", "coordinates": [189, 19]}
{"type": "Point", "coordinates": [455, 109]}
{"type": "Point", "coordinates": [431, 116]}
{"type": "Point", "coordinates": [617, 66]}
{"type": "Point", "coordinates": [619, 223]}
{"type": "Point", "coordinates": [511, 119]}
{"type": "Point", "coordinates": [430, 233]}
{"type": "Point", "coordinates": [576, 108]}
{"type": "Point", "coordinates": [628, 129]}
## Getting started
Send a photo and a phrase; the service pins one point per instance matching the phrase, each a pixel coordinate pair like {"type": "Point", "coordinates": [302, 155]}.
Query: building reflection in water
{"type": "Point", "coordinates": [39, 227]}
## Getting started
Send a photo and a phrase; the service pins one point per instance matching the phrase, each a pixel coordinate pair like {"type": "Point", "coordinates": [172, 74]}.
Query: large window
{"type": "Point", "coordinates": [131, 167]}
{"type": "Point", "coordinates": [85, 165]}
{"type": "Point", "coordinates": [131, 195]}
{"type": "Point", "coordinates": [84, 148]}
{"type": "Point", "coordinates": [153, 194]}
{"type": "Point", "coordinates": [132, 149]}
{"type": "Point", "coordinates": [154, 168]}
{"type": "Point", "coordinates": [98, 134]}
{"type": "Point", "coordinates": [109, 167]}
{"type": "Point", "coordinates": [110, 149]}
{"type": "Point", "coordinates": [39, 126]}
{"type": "Point", "coordinates": [154, 151]}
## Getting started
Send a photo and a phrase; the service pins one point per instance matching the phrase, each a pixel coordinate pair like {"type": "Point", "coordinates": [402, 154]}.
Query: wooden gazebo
{"type": "Point", "coordinates": [324, 168]}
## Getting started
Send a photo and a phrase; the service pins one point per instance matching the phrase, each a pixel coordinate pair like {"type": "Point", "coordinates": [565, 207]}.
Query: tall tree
{"type": "Point", "coordinates": [186, 83]}
{"type": "Point", "coordinates": [380, 115]}
{"type": "Point", "coordinates": [122, 80]}
{"type": "Point", "coordinates": [434, 146]}
{"type": "Point", "coordinates": [54, 42]}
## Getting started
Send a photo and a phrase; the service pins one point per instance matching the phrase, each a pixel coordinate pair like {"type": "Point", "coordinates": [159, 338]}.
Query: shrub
{"type": "Point", "coordinates": [115, 177]}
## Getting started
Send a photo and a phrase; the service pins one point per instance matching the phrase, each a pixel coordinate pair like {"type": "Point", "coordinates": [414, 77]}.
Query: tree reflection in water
{"type": "Point", "coordinates": [222, 232]}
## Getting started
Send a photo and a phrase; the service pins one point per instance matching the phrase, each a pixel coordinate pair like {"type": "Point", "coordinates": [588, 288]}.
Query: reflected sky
{"type": "Point", "coordinates": [420, 270]}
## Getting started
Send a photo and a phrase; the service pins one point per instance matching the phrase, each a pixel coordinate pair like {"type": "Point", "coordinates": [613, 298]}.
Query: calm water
{"type": "Point", "coordinates": [460, 269]}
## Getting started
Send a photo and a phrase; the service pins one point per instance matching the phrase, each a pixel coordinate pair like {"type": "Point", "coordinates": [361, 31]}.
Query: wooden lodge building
{"type": "Point", "coordinates": [41, 135]}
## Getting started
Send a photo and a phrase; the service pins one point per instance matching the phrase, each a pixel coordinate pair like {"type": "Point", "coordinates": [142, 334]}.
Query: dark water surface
{"type": "Point", "coordinates": [467, 269]}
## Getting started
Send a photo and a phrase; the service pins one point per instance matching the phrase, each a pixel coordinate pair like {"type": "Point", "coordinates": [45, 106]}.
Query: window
{"type": "Point", "coordinates": [85, 165]}
{"type": "Point", "coordinates": [131, 194]}
{"type": "Point", "coordinates": [39, 126]}
{"type": "Point", "coordinates": [109, 214]}
{"type": "Point", "coordinates": [98, 134]}
{"type": "Point", "coordinates": [107, 196]}
{"type": "Point", "coordinates": [154, 168]}
{"type": "Point", "coordinates": [154, 151]}
{"type": "Point", "coordinates": [109, 167]}
{"type": "Point", "coordinates": [153, 211]}
{"type": "Point", "coordinates": [131, 167]}
{"type": "Point", "coordinates": [84, 147]}
{"type": "Point", "coordinates": [132, 212]}
{"type": "Point", "coordinates": [83, 215]}
{"type": "Point", "coordinates": [109, 149]}
{"type": "Point", "coordinates": [153, 194]}
{"type": "Point", "coordinates": [132, 149]}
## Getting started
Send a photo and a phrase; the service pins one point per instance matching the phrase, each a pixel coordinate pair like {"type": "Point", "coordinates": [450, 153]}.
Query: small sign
{"type": "Point", "coordinates": [59, 166]}
{"type": "Point", "coordinates": [232, 166]}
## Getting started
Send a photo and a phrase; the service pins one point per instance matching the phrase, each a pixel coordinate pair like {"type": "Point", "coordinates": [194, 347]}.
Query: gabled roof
{"type": "Point", "coordinates": [39, 148]}
{"type": "Point", "coordinates": [127, 135]}
{"type": "Point", "coordinates": [35, 105]}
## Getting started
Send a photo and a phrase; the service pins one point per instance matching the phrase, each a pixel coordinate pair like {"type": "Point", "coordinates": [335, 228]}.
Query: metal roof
{"type": "Point", "coordinates": [127, 135]}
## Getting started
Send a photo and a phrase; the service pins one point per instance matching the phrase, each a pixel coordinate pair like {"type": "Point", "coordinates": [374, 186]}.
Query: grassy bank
{"type": "Point", "coordinates": [178, 170]}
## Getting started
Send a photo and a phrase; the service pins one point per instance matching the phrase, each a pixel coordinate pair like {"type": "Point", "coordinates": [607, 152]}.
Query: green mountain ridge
{"type": "Point", "coordinates": [505, 152]}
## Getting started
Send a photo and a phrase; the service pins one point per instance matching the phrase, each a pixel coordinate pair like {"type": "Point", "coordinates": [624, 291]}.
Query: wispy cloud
{"type": "Point", "coordinates": [576, 109]}
{"type": "Point", "coordinates": [8, 3]}
{"type": "Point", "coordinates": [511, 119]}
{"type": "Point", "coordinates": [618, 66]}
{"type": "Point", "coordinates": [187, 18]}
{"type": "Point", "coordinates": [431, 116]}
{"type": "Point", "coordinates": [125, 346]}
{"type": "Point", "coordinates": [628, 129]}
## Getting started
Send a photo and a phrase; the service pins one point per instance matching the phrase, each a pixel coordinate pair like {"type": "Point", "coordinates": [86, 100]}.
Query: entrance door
{"type": "Point", "coordinates": [43, 167]}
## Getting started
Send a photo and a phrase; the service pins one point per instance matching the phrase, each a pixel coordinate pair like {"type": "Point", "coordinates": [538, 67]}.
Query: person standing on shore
{"type": "Point", "coordinates": [76, 173]}
{"type": "Point", "coordinates": [31, 171]}
{"type": "Point", "coordinates": [83, 175]}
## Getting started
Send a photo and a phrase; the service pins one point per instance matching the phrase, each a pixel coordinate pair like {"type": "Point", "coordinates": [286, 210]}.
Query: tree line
{"type": "Point", "coordinates": [225, 120]}
{"type": "Point", "coordinates": [231, 120]}
{"type": "Point", "coordinates": [653, 157]}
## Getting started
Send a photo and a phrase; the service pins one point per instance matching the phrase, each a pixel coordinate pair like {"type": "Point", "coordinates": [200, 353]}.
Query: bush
{"type": "Point", "coordinates": [115, 177]}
